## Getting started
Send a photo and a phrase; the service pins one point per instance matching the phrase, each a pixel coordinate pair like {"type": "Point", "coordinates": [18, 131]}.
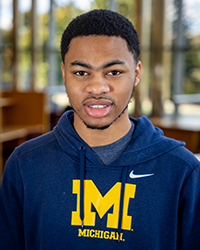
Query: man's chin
{"type": "Point", "coordinates": [101, 126]}
{"type": "Point", "coordinates": [97, 127]}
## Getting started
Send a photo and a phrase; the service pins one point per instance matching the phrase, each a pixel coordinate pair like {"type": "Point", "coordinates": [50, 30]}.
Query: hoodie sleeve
{"type": "Point", "coordinates": [189, 213]}
{"type": "Point", "coordinates": [11, 207]}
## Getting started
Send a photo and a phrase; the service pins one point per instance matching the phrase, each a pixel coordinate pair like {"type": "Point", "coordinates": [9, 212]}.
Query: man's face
{"type": "Point", "coordinates": [99, 74]}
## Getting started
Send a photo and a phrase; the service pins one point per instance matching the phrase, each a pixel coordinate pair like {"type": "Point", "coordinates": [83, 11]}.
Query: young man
{"type": "Point", "coordinates": [101, 180]}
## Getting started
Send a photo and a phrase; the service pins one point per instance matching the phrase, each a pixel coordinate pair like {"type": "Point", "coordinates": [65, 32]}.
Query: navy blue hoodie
{"type": "Point", "coordinates": [56, 194]}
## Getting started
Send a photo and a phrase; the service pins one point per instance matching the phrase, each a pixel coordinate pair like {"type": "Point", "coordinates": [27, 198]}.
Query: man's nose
{"type": "Point", "coordinates": [98, 85]}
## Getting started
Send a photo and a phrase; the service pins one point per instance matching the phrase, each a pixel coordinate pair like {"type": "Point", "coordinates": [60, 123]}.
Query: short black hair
{"type": "Point", "coordinates": [101, 22]}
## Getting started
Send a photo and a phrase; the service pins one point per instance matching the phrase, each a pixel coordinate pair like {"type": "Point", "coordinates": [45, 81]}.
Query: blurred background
{"type": "Point", "coordinates": [32, 93]}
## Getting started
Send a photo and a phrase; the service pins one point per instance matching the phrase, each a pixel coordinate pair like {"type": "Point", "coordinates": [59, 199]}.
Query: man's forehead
{"type": "Point", "coordinates": [98, 50]}
{"type": "Point", "coordinates": [102, 42]}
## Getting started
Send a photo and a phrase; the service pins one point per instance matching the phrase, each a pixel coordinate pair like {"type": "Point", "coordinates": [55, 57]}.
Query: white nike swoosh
{"type": "Point", "coordinates": [134, 176]}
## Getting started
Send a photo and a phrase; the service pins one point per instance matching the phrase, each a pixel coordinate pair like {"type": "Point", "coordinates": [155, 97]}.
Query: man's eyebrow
{"type": "Point", "coordinates": [104, 66]}
{"type": "Point", "coordinates": [82, 64]}
{"type": "Point", "coordinates": [111, 63]}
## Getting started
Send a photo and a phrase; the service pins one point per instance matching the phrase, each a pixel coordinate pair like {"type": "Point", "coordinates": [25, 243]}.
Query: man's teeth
{"type": "Point", "coordinates": [98, 106]}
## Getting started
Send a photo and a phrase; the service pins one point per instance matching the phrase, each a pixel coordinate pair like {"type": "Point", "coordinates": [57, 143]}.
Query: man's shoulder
{"type": "Point", "coordinates": [37, 143]}
{"type": "Point", "coordinates": [184, 157]}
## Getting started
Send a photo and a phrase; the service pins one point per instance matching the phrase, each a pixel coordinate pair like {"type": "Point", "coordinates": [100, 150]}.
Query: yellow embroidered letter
{"type": "Point", "coordinates": [102, 204]}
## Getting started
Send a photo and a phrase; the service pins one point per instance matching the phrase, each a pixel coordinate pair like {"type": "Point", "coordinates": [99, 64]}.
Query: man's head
{"type": "Point", "coordinates": [100, 70]}
{"type": "Point", "coordinates": [101, 22]}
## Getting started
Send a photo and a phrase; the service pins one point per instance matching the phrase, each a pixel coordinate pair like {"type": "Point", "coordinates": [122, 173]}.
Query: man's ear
{"type": "Point", "coordinates": [63, 71]}
{"type": "Point", "coordinates": [137, 72]}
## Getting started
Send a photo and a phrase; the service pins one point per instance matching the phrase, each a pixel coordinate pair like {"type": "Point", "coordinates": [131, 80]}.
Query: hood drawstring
{"type": "Point", "coordinates": [123, 181]}
{"type": "Point", "coordinates": [124, 175]}
{"type": "Point", "coordinates": [82, 163]}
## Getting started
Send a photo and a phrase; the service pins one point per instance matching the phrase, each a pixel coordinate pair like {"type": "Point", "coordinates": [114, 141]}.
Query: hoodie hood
{"type": "Point", "coordinates": [147, 143]}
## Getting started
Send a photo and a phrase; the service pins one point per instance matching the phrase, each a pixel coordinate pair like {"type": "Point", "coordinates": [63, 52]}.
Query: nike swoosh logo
{"type": "Point", "coordinates": [135, 176]}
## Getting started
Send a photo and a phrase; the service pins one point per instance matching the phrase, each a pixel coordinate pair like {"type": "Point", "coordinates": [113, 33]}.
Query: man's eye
{"type": "Point", "coordinates": [114, 73]}
{"type": "Point", "coordinates": [81, 73]}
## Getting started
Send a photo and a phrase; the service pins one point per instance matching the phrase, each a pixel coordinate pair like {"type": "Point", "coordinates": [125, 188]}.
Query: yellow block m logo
{"type": "Point", "coordinates": [102, 204]}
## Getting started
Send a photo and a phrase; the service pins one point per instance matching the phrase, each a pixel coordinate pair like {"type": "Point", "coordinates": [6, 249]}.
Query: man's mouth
{"type": "Point", "coordinates": [98, 108]}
